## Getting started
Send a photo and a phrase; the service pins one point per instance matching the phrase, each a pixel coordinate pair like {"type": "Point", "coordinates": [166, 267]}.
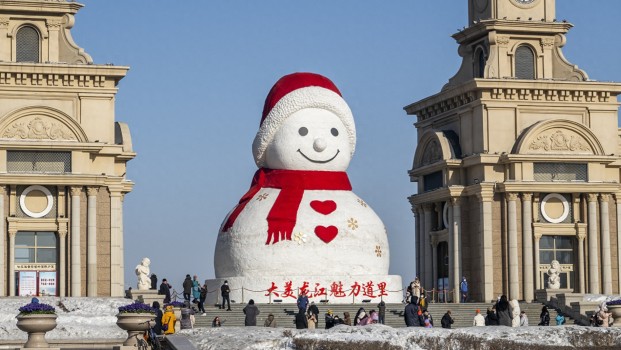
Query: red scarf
{"type": "Point", "coordinates": [292, 184]}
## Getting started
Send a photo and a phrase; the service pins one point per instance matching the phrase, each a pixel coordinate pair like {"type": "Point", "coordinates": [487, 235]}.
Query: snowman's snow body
{"type": "Point", "coordinates": [333, 236]}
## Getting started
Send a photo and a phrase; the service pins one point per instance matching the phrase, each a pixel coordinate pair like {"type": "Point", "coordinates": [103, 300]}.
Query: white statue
{"type": "Point", "coordinates": [554, 275]}
{"type": "Point", "coordinates": [515, 313]}
{"type": "Point", "coordinates": [142, 271]}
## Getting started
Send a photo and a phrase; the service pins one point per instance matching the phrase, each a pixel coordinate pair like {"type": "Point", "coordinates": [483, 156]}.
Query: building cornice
{"type": "Point", "coordinates": [39, 6]}
{"type": "Point", "coordinates": [484, 27]}
{"type": "Point", "coordinates": [533, 91]}
{"type": "Point", "coordinates": [560, 186]}
{"type": "Point", "coordinates": [60, 75]}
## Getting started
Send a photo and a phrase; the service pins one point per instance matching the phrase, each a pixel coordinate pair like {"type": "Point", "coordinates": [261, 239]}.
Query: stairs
{"type": "Point", "coordinates": [463, 314]}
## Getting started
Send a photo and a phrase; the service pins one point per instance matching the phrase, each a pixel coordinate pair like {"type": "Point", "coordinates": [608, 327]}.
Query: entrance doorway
{"type": "Point", "coordinates": [36, 259]}
{"type": "Point", "coordinates": [443, 270]}
{"type": "Point", "coordinates": [563, 250]}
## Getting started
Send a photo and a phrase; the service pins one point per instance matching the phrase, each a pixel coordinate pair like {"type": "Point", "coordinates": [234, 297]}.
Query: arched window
{"type": "Point", "coordinates": [524, 63]}
{"type": "Point", "coordinates": [27, 45]}
{"type": "Point", "coordinates": [479, 68]}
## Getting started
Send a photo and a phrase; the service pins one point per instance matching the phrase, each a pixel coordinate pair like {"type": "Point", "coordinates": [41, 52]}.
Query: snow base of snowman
{"type": "Point", "coordinates": [344, 289]}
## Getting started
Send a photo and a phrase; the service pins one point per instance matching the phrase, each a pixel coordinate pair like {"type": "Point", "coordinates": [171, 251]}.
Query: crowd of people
{"type": "Point", "coordinates": [502, 313]}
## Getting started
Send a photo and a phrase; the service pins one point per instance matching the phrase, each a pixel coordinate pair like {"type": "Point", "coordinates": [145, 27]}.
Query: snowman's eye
{"type": "Point", "coordinates": [303, 131]}
{"type": "Point", "coordinates": [334, 132]}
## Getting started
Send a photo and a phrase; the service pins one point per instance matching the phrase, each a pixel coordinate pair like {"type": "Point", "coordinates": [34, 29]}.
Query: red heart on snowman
{"type": "Point", "coordinates": [326, 234]}
{"type": "Point", "coordinates": [323, 207]}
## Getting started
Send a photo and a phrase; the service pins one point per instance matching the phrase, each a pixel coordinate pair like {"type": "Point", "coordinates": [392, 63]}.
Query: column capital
{"type": "Point", "coordinates": [581, 236]}
{"type": "Point", "coordinates": [537, 235]}
{"type": "Point", "coordinates": [434, 241]}
{"type": "Point", "coordinates": [485, 196]}
{"type": "Point", "coordinates": [604, 197]}
{"type": "Point", "coordinates": [455, 201]}
{"type": "Point", "coordinates": [511, 196]}
{"type": "Point", "coordinates": [76, 190]}
{"type": "Point", "coordinates": [12, 232]}
{"type": "Point", "coordinates": [617, 197]}
{"type": "Point", "coordinates": [427, 206]}
{"type": "Point", "coordinates": [62, 232]}
{"type": "Point", "coordinates": [53, 24]}
{"type": "Point", "coordinates": [2, 189]}
{"type": "Point", "coordinates": [92, 191]}
{"type": "Point", "coordinates": [527, 196]}
{"type": "Point", "coordinates": [592, 197]}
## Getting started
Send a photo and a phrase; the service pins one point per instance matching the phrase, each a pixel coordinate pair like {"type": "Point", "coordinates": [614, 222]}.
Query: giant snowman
{"type": "Point", "coordinates": [300, 228]}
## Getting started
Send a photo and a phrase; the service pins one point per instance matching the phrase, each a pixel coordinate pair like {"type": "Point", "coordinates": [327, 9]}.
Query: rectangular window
{"type": "Point", "coordinates": [29, 162]}
{"type": "Point", "coordinates": [433, 181]}
{"type": "Point", "coordinates": [548, 172]}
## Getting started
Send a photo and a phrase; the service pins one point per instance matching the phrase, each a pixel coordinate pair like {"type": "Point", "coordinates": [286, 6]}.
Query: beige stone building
{"type": "Point", "coordinates": [62, 158]}
{"type": "Point", "coordinates": [518, 163]}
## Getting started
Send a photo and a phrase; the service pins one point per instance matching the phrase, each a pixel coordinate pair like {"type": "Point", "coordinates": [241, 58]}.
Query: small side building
{"type": "Point", "coordinates": [62, 158]}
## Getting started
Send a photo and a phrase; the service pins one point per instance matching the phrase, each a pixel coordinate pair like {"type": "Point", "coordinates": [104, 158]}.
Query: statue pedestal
{"type": "Point", "coordinates": [147, 296]}
{"type": "Point", "coordinates": [545, 295]}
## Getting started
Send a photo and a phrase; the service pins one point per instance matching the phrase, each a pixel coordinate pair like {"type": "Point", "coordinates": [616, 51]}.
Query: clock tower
{"type": "Point", "coordinates": [518, 164]}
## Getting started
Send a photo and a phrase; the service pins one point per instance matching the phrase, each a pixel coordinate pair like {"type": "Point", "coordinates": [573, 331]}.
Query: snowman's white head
{"type": "Point", "coordinates": [310, 139]}
{"type": "Point", "coordinates": [306, 125]}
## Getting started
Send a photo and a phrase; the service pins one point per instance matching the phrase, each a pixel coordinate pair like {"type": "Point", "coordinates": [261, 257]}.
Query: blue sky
{"type": "Point", "coordinates": [200, 71]}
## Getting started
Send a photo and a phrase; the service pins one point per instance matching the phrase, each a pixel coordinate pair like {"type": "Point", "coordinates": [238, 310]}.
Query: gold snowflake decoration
{"type": "Point", "coordinates": [362, 202]}
{"type": "Point", "coordinates": [352, 223]}
{"type": "Point", "coordinates": [378, 251]}
{"type": "Point", "coordinates": [262, 196]}
{"type": "Point", "coordinates": [299, 238]}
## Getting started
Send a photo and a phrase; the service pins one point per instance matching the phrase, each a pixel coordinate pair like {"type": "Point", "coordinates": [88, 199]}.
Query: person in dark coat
{"type": "Point", "coordinates": [187, 287]}
{"type": "Point", "coordinates": [165, 291]}
{"type": "Point", "coordinates": [301, 322]}
{"type": "Point", "coordinates": [491, 319]}
{"type": "Point", "coordinates": [157, 328]}
{"type": "Point", "coordinates": [544, 317]}
{"type": "Point", "coordinates": [313, 309]}
{"type": "Point", "coordinates": [251, 311]}
{"type": "Point", "coordinates": [225, 291]}
{"type": "Point", "coordinates": [410, 314]}
{"type": "Point", "coordinates": [201, 300]}
{"type": "Point", "coordinates": [359, 316]}
{"type": "Point", "coordinates": [504, 312]}
{"type": "Point", "coordinates": [153, 281]}
{"type": "Point", "coordinates": [381, 312]}
{"type": "Point", "coordinates": [302, 302]}
{"type": "Point", "coordinates": [447, 320]}
{"type": "Point", "coordinates": [329, 319]}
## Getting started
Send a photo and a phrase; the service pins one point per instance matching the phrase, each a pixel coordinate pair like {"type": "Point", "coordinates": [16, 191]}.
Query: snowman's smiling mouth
{"type": "Point", "coordinates": [319, 161]}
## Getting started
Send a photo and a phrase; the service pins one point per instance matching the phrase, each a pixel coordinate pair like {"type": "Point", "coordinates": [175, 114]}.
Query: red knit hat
{"type": "Point", "coordinates": [295, 92]}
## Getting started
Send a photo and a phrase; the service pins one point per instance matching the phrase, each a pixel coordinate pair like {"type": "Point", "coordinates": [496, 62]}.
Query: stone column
{"type": "Point", "coordinates": [618, 205]}
{"type": "Point", "coordinates": [122, 247]}
{"type": "Point", "coordinates": [527, 247]}
{"type": "Point", "coordinates": [12, 233]}
{"type": "Point", "coordinates": [3, 232]}
{"type": "Point", "coordinates": [62, 268]}
{"type": "Point", "coordinates": [416, 238]}
{"type": "Point", "coordinates": [514, 279]}
{"type": "Point", "coordinates": [76, 254]}
{"type": "Point", "coordinates": [434, 258]}
{"type": "Point", "coordinates": [421, 248]}
{"type": "Point", "coordinates": [53, 26]}
{"type": "Point", "coordinates": [117, 288]}
{"type": "Point", "coordinates": [605, 244]}
{"type": "Point", "coordinates": [439, 216]}
{"type": "Point", "coordinates": [5, 41]}
{"type": "Point", "coordinates": [486, 249]}
{"type": "Point", "coordinates": [581, 274]}
{"type": "Point", "coordinates": [428, 208]}
{"type": "Point", "coordinates": [91, 233]}
{"type": "Point", "coordinates": [537, 275]}
{"type": "Point", "coordinates": [593, 251]}
{"type": "Point", "coordinates": [455, 231]}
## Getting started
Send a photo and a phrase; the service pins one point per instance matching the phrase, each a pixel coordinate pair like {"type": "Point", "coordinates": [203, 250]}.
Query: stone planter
{"type": "Point", "coordinates": [615, 310]}
{"type": "Point", "coordinates": [36, 325]}
{"type": "Point", "coordinates": [135, 324]}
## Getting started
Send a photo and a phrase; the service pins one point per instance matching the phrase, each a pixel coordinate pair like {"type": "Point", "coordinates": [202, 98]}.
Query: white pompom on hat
{"type": "Point", "coordinates": [295, 92]}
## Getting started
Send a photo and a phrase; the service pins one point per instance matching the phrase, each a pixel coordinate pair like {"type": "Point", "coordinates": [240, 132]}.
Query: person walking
{"type": "Point", "coordinates": [544, 317]}
{"type": "Point", "coordinates": [447, 320]}
{"type": "Point", "coordinates": [523, 319]}
{"type": "Point", "coordinates": [410, 314]}
{"type": "Point", "coordinates": [313, 309]}
{"type": "Point", "coordinates": [251, 311]}
{"type": "Point", "coordinates": [504, 311]}
{"type": "Point", "coordinates": [270, 321]}
{"type": "Point", "coordinates": [301, 321]}
{"type": "Point", "coordinates": [165, 290]}
{"type": "Point", "coordinates": [168, 320]}
{"type": "Point", "coordinates": [381, 312]}
{"type": "Point", "coordinates": [201, 300]}
{"type": "Point", "coordinates": [463, 290]}
{"type": "Point", "coordinates": [560, 319]}
{"type": "Point", "coordinates": [187, 288]}
{"type": "Point", "coordinates": [196, 289]}
{"type": "Point", "coordinates": [225, 292]}
{"type": "Point", "coordinates": [479, 320]}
